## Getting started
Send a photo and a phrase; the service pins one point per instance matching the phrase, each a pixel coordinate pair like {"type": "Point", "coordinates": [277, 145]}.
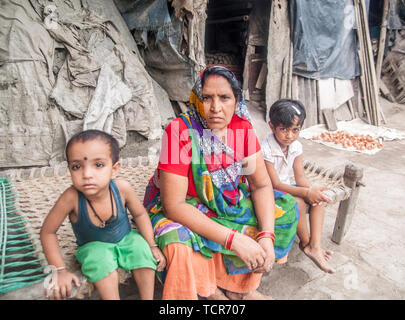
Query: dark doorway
{"type": "Point", "coordinates": [226, 33]}
{"type": "Point", "coordinates": [236, 36]}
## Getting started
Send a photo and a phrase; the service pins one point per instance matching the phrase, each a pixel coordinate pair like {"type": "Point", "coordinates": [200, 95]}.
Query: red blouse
{"type": "Point", "coordinates": [175, 154]}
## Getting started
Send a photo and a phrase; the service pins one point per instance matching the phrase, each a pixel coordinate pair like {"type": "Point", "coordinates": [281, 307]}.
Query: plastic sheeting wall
{"type": "Point", "coordinates": [64, 68]}
{"type": "Point", "coordinates": [324, 39]}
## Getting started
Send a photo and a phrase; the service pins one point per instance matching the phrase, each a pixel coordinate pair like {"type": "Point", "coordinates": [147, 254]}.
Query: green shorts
{"type": "Point", "coordinates": [99, 259]}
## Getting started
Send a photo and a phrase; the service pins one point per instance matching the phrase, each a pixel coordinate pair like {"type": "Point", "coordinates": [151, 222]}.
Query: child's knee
{"type": "Point", "coordinates": [302, 205]}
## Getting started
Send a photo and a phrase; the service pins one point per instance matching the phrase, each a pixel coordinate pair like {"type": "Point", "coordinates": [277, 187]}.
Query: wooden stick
{"type": "Point", "coordinates": [294, 89]}
{"type": "Point", "coordinates": [246, 69]}
{"type": "Point", "coordinates": [350, 105]}
{"type": "Point", "coordinates": [284, 78]}
{"type": "Point", "coordinates": [367, 66]}
{"type": "Point", "coordinates": [360, 53]}
{"type": "Point", "coordinates": [231, 19]}
{"type": "Point", "coordinates": [381, 45]}
{"type": "Point", "coordinates": [262, 76]}
{"type": "Point", "coordinates": [290, 66]}
{"type": "Point", "coordinates": [373, 79]}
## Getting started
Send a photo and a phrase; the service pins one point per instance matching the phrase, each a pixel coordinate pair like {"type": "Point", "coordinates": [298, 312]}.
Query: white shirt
{"type": "Point", "coordinates": [272, 152]}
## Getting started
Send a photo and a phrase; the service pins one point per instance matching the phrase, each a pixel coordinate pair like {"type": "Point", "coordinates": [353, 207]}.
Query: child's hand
{"type": "Point", "coordinates": [63, 288]}
{"type": "Point", "coordinates": [160, 258]}
{"type": "Point", "coordinates": [315, 196]}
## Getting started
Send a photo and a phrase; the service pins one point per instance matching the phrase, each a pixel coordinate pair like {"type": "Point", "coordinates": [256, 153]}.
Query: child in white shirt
{"type": "Point", "coordinates": [283, 153]}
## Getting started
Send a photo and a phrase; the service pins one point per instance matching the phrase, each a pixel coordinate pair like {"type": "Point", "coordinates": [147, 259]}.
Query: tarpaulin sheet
{"type": "Point", "coordinates": [324, 39]}
{"type": "Point", "coordinates": [145, 14]}
{"type": "Point", "coordinates": [160, 37]}
{"type": "Point", "coordinates": [99, 82]}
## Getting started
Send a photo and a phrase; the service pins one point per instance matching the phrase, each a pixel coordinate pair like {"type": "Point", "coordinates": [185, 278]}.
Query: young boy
{"type": "Point", "coordinates": [282, 152]}
{"type": "Point", "coordinates": [96, 205]}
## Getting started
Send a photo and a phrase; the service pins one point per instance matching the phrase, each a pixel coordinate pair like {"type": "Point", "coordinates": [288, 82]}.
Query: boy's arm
{"type": "Point", "coordinates": [137, 210]}
{"type": "Point", "coordinates": [299, 173]}
{"type": "Point", "coordinates": [277, 184]}
{"type": "Point", "coordinates": [63, 206]}
{"type": "Point", "coordinates": [142, 220]}
{"type": "Point", "coordinates": [313, 195]}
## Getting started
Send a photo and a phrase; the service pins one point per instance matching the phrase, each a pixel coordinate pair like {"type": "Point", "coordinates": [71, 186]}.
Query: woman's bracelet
{"type": "Point", "coordinates": [229, 239]}
{"type": "Point", "coordinates": [60, 268]}
{"type": "Point", "coordinates": [153, 245]}
{"type": "Point", "coordinates": [266, 234]}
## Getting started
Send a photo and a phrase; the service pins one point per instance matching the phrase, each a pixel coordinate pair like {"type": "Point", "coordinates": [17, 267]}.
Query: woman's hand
{"type": "Point", "coordinates": [267, 245]}
{"type": "Point", "coordinates": [315, 196]}
{"type": "Point", "coordinates": [160, 258]}
{"type": "Point", "coordinates": [248, 250]}
{"type": "Point", "coordinates": [63, 289]}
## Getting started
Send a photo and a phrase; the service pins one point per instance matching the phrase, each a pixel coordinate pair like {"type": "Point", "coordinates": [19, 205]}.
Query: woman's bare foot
{"type": "Point", "coordinates": [218, 295]}
{"type": "Point", "coordinates": [251, 295]}
{"type": "Point", "coordinates": [319, 257]}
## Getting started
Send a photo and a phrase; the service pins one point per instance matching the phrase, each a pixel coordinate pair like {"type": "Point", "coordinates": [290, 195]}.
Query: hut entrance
{"type": "Point", "coordinates": [236, 37]}
{"type": "Point", "coordinates": [225, 34]}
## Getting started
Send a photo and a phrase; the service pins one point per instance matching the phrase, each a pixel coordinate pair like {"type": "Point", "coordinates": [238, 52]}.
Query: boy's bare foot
{"type": "Point", "coordinates": [218, 295]}
{"type": "Point", "coordinates": [251, 295]}
{"type": "Point", "coordinates": [319, 257]}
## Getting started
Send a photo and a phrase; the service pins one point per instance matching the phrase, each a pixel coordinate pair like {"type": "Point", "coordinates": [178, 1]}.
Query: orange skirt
{"type": "Point", "coordinates": [190, 275]}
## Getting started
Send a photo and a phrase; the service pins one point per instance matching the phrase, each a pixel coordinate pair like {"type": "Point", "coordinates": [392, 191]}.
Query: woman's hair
{"type": "Point", "coordinates": [227, 74]}
{"type": "Point", "coordinates": [93, 134]}
{"type": "Point", "coordinates": [284, 112]}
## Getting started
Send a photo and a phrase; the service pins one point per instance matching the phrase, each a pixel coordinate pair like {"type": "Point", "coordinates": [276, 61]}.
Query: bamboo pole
{"type": "Point", "coordinates": [370, 84]}
{"type": "Point", "coordinates": [290, 67]}
{"type": "Point", "coordinates": [381, 45]}
{"type": "Point", "coordinates": [368, 61]}
{"type": "Point", "coordinates": [373, 79]}
{"type": "Point", "coordinates": [360, 53]}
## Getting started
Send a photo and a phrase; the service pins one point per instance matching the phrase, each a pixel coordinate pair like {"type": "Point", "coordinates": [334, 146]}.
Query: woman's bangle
{"type": "Point", "coordinates": [229, 239]}
{"type": "Point", "coordinates": [266, 234]}
{"type": "Point", "coordinates": [153, 245]}
{"type": "Point", "coordinates": [60, 268]}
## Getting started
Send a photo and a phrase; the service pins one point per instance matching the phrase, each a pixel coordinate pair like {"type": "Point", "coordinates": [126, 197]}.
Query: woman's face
{"type": "Point", "coordinates": [219, 102]}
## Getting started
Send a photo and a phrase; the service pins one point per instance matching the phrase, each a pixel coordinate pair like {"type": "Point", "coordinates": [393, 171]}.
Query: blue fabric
{"type": "Point", "coordinates": [85, 231]}
{"type": "Point", "coordinates": [147, 15]}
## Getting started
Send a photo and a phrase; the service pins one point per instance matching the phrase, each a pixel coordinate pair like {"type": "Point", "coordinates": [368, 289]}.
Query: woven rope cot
{"type": "Point", "coordinates": [343, 187]}
{"type": "Point", "coordinates": [39, 188]}
{"type": "Point", "coordinates": [20, 263]}
{"type": "Point", "coordinates": [331, 177]}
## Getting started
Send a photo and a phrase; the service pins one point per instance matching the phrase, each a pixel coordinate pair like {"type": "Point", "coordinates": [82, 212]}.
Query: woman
{"type": "Point", "coordinates": [206, 216]}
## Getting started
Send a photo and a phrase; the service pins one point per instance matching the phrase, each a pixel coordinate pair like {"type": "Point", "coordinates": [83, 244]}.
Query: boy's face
{"type": "Point", "coordinates": [91, 166]}
{"type": "Point", "coordinates": [286, 135]}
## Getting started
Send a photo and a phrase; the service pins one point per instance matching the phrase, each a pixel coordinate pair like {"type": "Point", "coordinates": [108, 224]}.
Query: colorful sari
{"type": "Point", "coordinates": [223, 195]}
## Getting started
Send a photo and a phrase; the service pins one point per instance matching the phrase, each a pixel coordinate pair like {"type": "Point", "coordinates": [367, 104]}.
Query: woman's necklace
{"type": "Point", "coordinates": [111, 219]}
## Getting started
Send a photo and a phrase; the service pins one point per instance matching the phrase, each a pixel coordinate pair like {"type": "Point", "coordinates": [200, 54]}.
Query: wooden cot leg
{"type": "Point", "coordinates": [352, 177]}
